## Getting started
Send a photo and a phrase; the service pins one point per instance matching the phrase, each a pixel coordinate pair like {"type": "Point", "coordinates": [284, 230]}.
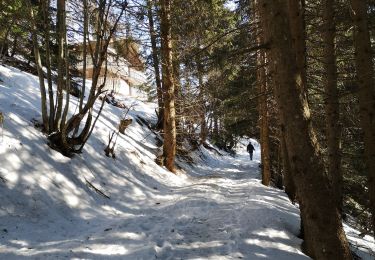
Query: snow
{"type": "Point", "coordinates": [215, 208]}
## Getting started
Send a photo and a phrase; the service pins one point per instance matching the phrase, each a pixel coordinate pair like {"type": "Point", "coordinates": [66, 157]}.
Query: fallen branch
{"type": "Point", "coordinates": [90, 185]}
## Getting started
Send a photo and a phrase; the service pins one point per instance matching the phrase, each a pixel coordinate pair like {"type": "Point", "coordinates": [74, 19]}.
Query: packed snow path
{"type": "Point", "coordinates": [214, 208]}
{"type": "Point", "coordinates": [222, 212]}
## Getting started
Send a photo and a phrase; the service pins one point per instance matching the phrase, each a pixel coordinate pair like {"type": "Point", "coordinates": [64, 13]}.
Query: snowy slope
{"type": "Point", "coordinates": [215, 209]}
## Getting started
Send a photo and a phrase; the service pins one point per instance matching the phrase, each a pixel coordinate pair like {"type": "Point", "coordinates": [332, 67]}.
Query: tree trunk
{"type": "Point", "coordinates": [263, 120]}
{"type": "Point", "coordinates": [4, 43]}
{"type": "Point", "coordinates": [14, 47]}
{"type": "Point", "coordinates": [296, 12]}
{"type": "Point", "coordinates": [39, 67]}
{"type": "Point", "coordinates": [156, 64]}
{"type": "Point", "coordinates": [366, 93]}
{"type": "Point", "coordinates": [263, 108]}
{"type": "Point", "coordinates": [67, 88]}
{"type": "Point", "coordinates": [289, 182]}
{"type": "Point", "coordinates": [215, 130]}
{"type": "Point", "coordinates": [60, 61]}
{"type": "Point", "coordinates": [332, 102]}
{"type": "Point", "coordinates": [178, 100]}
{"type": "Point", "coordinates": [85, 35]}
{"type": "Point", "coordinates": [202, 110]}
{"type": "Point", "coordinates": [45, 6]}
{"type": "Point", "coordinates": [169, 147]}
{"type": "Point", "coordinates": [290, 187]}
{"type": "Point", "coordinates": [62, 139]}
{"type": "Point", "coordinates": [324, 234]}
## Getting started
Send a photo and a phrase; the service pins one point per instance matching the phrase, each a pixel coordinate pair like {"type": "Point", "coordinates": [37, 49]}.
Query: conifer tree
{"type": "Point", "coordinates": [366, 93]}
{"type": "Point", "coordinates": [169, 146]}
{"type": "Point", "coordinates": [324, 234]}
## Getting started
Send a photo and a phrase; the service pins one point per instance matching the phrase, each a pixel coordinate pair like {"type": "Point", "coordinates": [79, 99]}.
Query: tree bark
{"type": "Point", "coordinates": [169, 147]}
{"type": "Point", "coordinates": [333, 128]}
{"type": "Point", "coordinates": [296, 12]}
{"type": "Point", "coordinates": [324, 234]}
{"type": "Point", "coordinates": [366, 93]}
{"type": "Point", "coordinates": [290, 187]}
{"type": "Point", "coordinates": [156, 64]}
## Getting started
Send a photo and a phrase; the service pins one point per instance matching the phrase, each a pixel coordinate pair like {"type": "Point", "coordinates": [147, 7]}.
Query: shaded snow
{"type": "Point", "coordinates": [215, 209]}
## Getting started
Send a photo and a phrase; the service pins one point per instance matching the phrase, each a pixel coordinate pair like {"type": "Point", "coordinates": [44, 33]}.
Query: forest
{"type": "Point", "coordinates": [297, 77]}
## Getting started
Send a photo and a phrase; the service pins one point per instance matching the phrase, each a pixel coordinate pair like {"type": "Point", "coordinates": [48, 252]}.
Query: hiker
{"type": "Point", "coordinates": [250, 149]}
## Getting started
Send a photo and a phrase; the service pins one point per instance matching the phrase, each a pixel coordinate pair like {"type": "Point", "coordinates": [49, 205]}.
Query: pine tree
{"type": "Point", "coordinates": [324, 234]}
{"type": "Point", "coordinates": [169, 146]}
{"type": "Point", "coordinates": [366, 93]}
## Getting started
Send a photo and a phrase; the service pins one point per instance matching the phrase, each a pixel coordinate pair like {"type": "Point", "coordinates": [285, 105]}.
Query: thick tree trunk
{"type": "Point", "coordinates": [290, 187]}
{"type": "Point", "coordinates": [324, 234]}
{"type": "Point", "coordinates": [296, 15]}
{"type": "Point", "coordinates": [296, 12]}
{"type": "Point", "coordinates": [333, 128]}
{"type": "Point", "coordinates": [366, 93]}
{"type": "Point", "coordinates": [289, 182]}
{"type": "Point", "coordinates": [39, 67]}
{"type": "Point", "coordinates": [169, 147]}
{"type": "Point", "coordinates": [156, 64]}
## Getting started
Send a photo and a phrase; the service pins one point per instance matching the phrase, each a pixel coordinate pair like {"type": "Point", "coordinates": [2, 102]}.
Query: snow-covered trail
{"type": "Point", "coordinates": [223, 215]}
{"type": "Point", "coordinates": [223, 212]}
{"type": "Point", "coordinates": [215, 208]}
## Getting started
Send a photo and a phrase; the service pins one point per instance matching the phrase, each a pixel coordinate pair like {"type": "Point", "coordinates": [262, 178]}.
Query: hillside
{"type": "Point", "coordinates": [96, 207]}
